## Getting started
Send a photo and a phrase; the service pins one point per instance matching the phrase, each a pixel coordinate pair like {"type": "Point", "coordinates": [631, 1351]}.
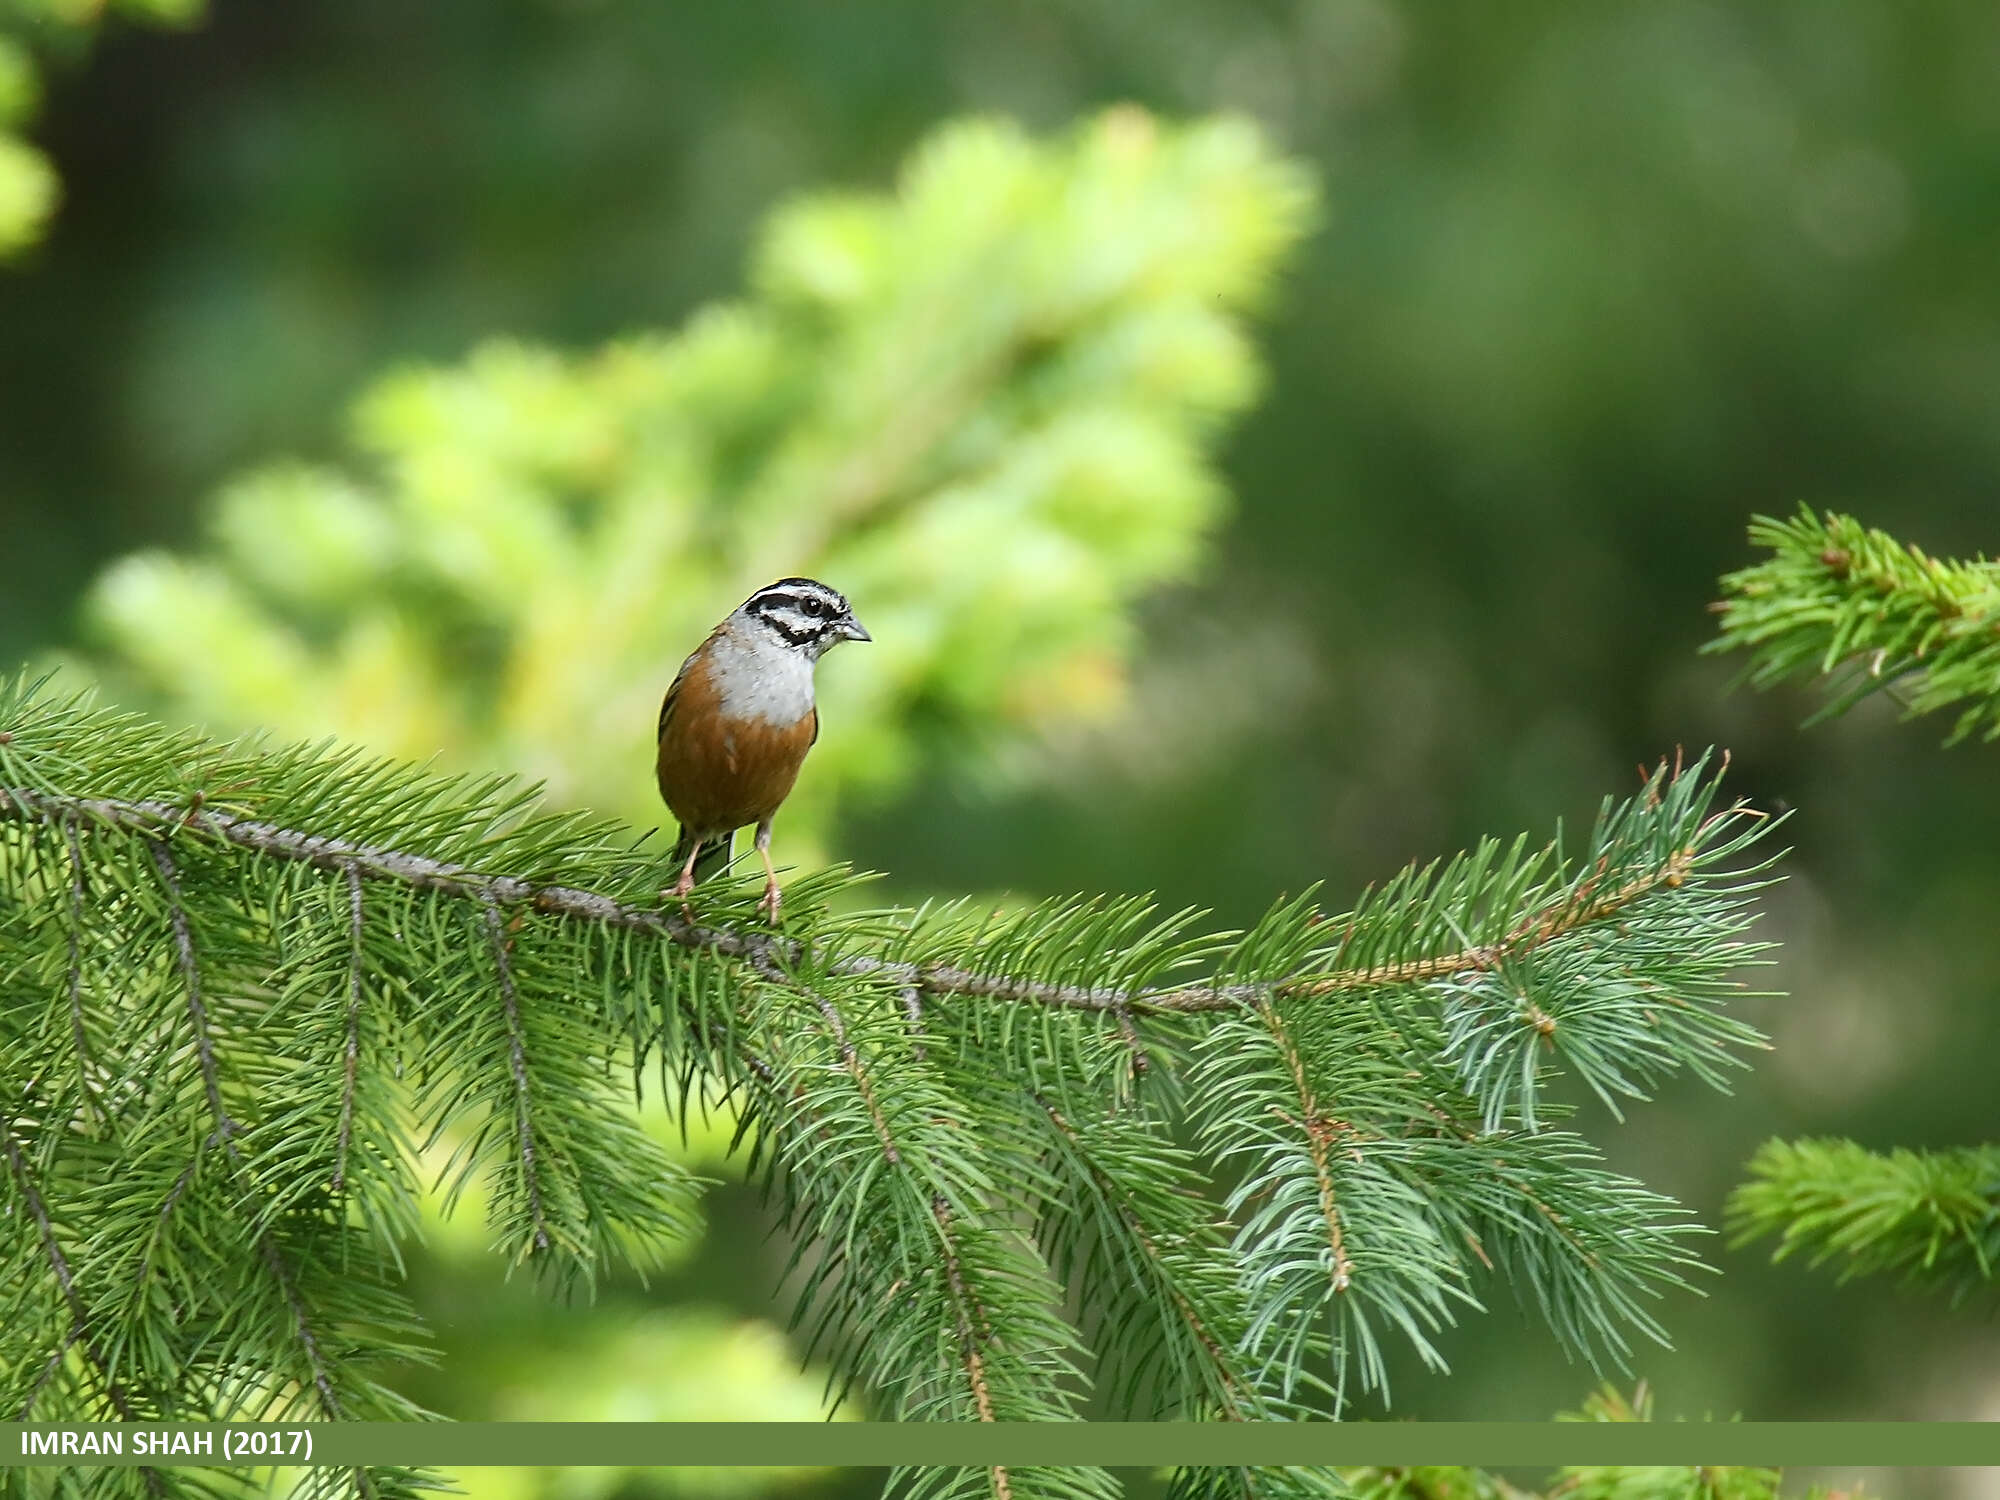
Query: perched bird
{"type": "Point", "coordinates": [739, 718]}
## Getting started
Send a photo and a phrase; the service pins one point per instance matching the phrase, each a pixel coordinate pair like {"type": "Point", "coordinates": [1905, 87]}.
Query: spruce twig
{"type": "Point", "coordinates": [769, 953]}
{"type": "Point", "coordinates": [1853, 605]}
{"type": "Point", "coordinates": [941, 1102]}
{"type": "Point", "coordinates": [1868, 613]}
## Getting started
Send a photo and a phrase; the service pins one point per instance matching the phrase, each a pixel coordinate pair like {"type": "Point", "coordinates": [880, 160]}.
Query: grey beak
{"type": "Point", "coordinates": [851, 630]}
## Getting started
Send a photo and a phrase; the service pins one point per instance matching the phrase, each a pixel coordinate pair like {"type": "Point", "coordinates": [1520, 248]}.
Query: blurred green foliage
{"type": "Point", "coordinates": [1930, 1217]}
{"type": "Point", "coordinates": [27, 182]}
{"type": "Point", "coordinates": [1842, 601]}
{"type": "Point", "coordinates": [1598, 281]}
{"type": "Point", "coordinates": [28, 188]}
{"type": "Point", "coordinates": [1581, 1481]}
{"type": "Point", "coordinates": [980, 407]}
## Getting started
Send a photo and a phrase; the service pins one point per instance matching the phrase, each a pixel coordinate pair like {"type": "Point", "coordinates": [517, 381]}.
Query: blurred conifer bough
{"type": "Point", "coordinates": [983, 406]}
{"type": "Point", "coordinates": [1861, 613]}
{"type": "Point", "coordinates": [29, 191]}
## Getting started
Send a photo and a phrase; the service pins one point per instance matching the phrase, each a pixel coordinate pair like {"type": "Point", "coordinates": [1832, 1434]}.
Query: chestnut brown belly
{"type": "Point", "coordinates": [715, 780]}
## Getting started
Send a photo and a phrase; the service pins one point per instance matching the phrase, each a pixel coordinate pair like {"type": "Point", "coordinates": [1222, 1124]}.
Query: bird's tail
{"type": "Point", "coordinates": [714, 854]}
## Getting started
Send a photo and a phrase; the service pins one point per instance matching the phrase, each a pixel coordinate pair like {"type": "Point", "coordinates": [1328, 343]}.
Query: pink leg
{"type": "Point", "coordinates": [686, 882]}
{"type": "Point", "coordinates": [772, 897]}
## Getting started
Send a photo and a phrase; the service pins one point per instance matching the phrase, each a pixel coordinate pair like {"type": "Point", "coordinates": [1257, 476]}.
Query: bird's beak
{"type": "Point", "coordinates": [851, 630]}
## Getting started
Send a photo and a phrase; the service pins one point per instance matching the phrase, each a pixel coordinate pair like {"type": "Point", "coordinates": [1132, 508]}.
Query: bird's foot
{"type": "Point", "coordinates": [768, 904]}
{"type": "Point", "coordinates": [678, 891]}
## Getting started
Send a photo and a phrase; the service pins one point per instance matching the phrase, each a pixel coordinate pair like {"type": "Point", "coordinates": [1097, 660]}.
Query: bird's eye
{"type": "Point", "coordinates": [815, 607]}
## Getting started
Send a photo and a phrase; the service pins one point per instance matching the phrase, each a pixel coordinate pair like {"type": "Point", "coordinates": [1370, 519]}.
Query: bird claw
{"type": "Point", "coordinates": [769, 902]}
{"type": "Point", "coordinates": [678, 891]}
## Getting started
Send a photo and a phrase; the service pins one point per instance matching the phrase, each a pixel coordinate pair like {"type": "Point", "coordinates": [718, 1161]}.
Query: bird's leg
{"type": "Point", "coordinates": [686, 882]}
{"type": "Point", "coordinates": [772, 898]}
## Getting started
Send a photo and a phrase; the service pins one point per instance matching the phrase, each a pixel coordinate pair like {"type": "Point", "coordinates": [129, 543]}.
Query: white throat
{"type": "Point", "coordinates": [757, 676]}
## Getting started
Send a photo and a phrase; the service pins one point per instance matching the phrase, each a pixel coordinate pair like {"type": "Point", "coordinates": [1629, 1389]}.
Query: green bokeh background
{"type": "Point", "coordinates": [1595, 282]}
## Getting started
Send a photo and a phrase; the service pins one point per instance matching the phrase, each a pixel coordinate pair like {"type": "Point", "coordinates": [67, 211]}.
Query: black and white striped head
{"type": "Point", "coordinates": [803, 614]}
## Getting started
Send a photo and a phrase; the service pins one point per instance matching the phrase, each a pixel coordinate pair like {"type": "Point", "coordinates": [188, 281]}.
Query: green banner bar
{"type": "Point", "coordinates": [1116, 1444]}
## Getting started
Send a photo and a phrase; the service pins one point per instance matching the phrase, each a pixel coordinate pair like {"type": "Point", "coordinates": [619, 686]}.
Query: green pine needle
{"type": "Point", "coordinates": [244, 988]}
{"type": "Point", "coordinates": [1868, 613]}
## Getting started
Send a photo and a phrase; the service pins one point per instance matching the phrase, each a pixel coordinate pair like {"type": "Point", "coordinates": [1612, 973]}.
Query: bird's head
{"type": "Point", "coordinates": [804, 614]}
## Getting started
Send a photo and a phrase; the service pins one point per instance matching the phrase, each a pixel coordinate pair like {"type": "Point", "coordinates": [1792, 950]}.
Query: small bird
{"type": "Point", "coordinates": [739, 719]}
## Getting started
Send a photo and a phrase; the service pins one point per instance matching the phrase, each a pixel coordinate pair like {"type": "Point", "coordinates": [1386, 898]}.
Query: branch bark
{"type": "Point", "coordinates": [770, 951]}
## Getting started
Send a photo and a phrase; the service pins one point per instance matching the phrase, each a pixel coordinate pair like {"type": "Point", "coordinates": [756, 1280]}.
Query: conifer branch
{"type": "Point", "coordinates": [81, 1330]}
{"type": "Point", "coordinates": [80, 1322]}
{"type": "Point", "coordinates": [1847, 602]}
{"type": "Point", "coordinates": [322, 1383]}
{"type": "Point", "coordinates": [771, 953]}
{"type": "Point", "coordinates": [971, 1319]}
{"type": "Point", "coordinates": [517, 1067]}
{"type": "Point", "coordinates": [171, 1202]}
{"type": "Point", "coordinates": [227, 1128]}
{"type": "Point", "coordinates": [1932, 1216]}
{"type": "Point", "coordinates": [1238, 1401]}
{"type": "Point", "coordinates": [1128, 1032]}
{"type": "Point", "coordinates": [49, 1367]}
{"type": "Point", "coordinates": [74, 967]}
{"type": "Point", "coordinates": [1576, 909]}
{"type": "Point", "coordinates": [204, 1044]}
{"type": "Point", "coordinates": [912, 1000]}
{"type": "Point", "coordinates": [942, 1101]}
{"type": "Point", "coordinates": [350, 1052]}
{"type": "Point", "coordinates": [1319, 1132]}
{"type": "Point", "coordinates": [851, 1060]}
{"type": "Point", "coordinates": [1839, 600]}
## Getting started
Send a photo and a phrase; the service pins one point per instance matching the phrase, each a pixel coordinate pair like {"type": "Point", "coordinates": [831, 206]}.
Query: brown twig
{"type": "Point", "coordinates": [517, 1062]}
{"type": "Point", "coordinates": [211, 1080]}
{"type": "Point", "coordinates": [350, 1056]}
{"type": "Point", "coordinates": [1319, 1133]}
{"type": "Point", "coordinates": [1112, 1190]}
{"type": "Point", "coordinates": [851, 1060]}
{"type": "Point", "coordinates": [80, 1325]}
{"type": "Point", "coordinates": [969, 1315]}
{"type": "Point", "coordinates": [769, 951]}
{"type": "Point", "coordinates": [75, 935]}
{"type": "Point", "coordinates": [226, 1130]}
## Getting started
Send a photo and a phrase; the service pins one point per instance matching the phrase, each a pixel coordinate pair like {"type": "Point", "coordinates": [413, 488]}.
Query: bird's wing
{"type": "Point", "coordinates": [667, 703]}
{"type": "Point", "coordinates": [674, 687]}
{"type": "Point", "coordinates": [814, 711]}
